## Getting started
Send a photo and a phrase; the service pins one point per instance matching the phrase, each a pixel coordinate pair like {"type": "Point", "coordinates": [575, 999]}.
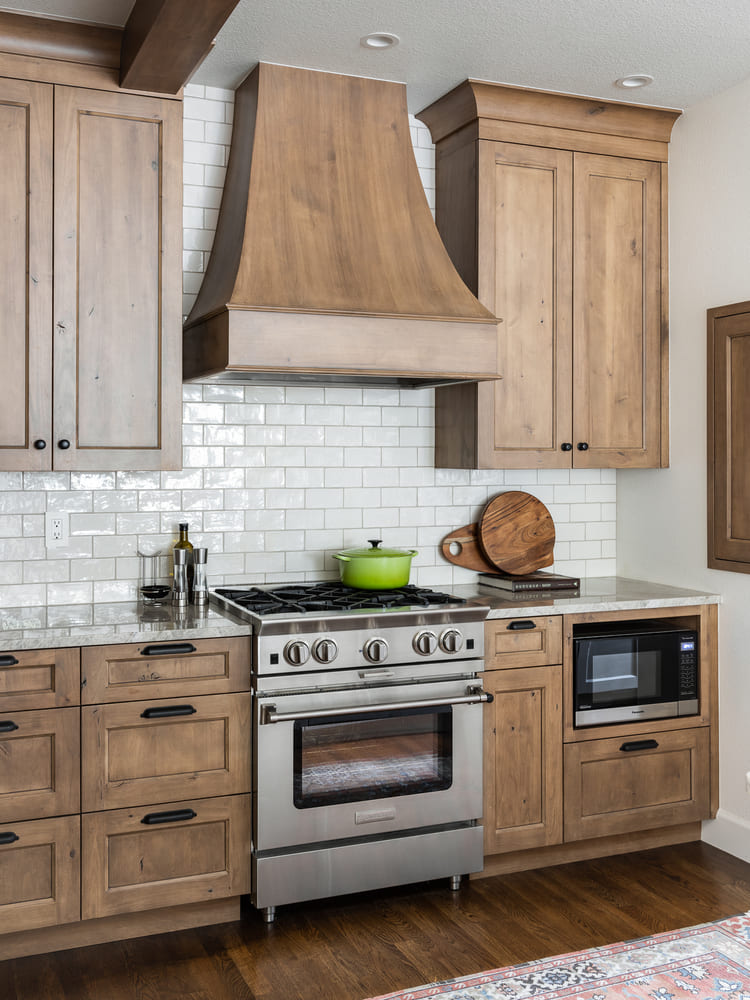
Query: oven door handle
{"type": "Point", "coordinates": [475, 696]}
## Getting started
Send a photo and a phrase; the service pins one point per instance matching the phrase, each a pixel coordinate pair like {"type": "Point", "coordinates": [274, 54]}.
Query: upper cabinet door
{"type": "Point", "coordinates": [117, 281]}
{"type": "Point", "coordinates": [525, 232]}
{"type": "Point", "coordinates": [617, 312]}
{"type": "Point", "coordinates": [25, 273]}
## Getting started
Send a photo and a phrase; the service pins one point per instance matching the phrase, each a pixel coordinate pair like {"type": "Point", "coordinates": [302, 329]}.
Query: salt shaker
{"type": "Point", "coordinates": [200, 582]}
{"type": "Point", "coordinates": [180, 591]}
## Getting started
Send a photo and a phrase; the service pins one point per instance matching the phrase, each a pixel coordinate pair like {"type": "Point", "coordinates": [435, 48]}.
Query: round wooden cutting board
{"type": "Point", "coordinates": [516, 533]}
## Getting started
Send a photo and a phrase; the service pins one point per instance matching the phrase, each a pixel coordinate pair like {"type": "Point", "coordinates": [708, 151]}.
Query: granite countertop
{"type": "Point", "coordinates": [606, 593]}
{"type": "Point", "coordinates": [104, 624]}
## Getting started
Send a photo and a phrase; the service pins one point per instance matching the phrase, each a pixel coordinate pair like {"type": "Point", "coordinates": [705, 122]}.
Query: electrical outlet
{"type": "Point", "coordinates": [56, 530]}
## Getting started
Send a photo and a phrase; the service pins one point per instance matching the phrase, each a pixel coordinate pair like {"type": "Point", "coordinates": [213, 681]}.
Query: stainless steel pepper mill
{"type": "Point", "coordinates": [180, 591]}
{"type": "Point", "coordinates": [200, 581]}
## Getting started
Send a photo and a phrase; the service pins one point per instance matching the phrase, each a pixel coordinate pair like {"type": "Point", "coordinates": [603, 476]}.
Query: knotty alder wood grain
{"type": "Point", "coordinates": [516, 532]}
{"type": "Point", "coordinates": [413, 934]}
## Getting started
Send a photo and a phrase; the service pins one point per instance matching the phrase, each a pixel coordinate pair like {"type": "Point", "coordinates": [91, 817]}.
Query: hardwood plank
{"type": "Point", "coordinates": [364, 945]}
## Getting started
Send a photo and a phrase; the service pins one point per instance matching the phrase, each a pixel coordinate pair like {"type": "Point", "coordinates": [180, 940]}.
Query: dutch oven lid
{"type": "Point", "coordinates": [375, 552]}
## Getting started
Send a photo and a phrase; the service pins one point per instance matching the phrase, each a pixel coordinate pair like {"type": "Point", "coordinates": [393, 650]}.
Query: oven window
{"type": "Point", "coordinates": [375, 756]}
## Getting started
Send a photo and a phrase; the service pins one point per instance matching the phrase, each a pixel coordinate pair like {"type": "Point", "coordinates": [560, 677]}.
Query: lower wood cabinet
{"type": "Point", "coordinates": [522, 764]}
{"type": "Point", "coordinates": [39, 763]}
{"type": "Point", "coordinates": [178, 852]}
{"type": "Point", "coordinates": [40, 873]}
{"type": "Point", "coordinates": [141, 752]}
{"type": "Point", "coordinates": [636, 782]}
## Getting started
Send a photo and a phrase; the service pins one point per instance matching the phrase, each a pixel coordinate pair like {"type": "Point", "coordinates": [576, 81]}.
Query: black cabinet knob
{"type": "Point", "coordinates": [40, 444]}
{"type": "Point", "coordinates": [566, 446]}
{"type": "Point", "coordinates": [582, 446]}
{"type": "Point", "coordinates": [65, 444]}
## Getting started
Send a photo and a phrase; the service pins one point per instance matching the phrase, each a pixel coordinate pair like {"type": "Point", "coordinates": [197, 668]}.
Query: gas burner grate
{"type": "Point", "coordinates": [306, 598]}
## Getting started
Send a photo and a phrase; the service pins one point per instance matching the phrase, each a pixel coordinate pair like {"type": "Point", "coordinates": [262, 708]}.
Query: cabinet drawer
{"type": "Point", "coordinates": [143, 752]}
{"type": "Point", "coordinates": [39, 763]}
{"type": "Point", "coordinates": [39, 678]}
{"type": "Point", "coordinates": [165, 669]}
{"type": "Point", "coordinates": [40, 873]}
{"type": "Point", "coordinates": [522, 642]}
{"type": "Point", "coordinates": [176, 852]}
{"type": "Point", "coordinates": [636, 782]}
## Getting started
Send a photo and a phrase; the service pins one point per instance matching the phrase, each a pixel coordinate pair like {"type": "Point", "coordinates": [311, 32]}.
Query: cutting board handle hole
{"type": "Point", "coordinates": [455, 548]}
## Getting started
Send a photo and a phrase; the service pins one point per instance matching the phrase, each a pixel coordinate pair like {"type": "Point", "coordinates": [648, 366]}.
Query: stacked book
{"type": "Point", "coordinates": [540, 580]}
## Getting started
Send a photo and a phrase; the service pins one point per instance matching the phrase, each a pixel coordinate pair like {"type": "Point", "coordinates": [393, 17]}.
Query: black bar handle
{"type": "Point", "coordinates": [7, 726]}
{"type": "Point", "coordinates": [639, 745]}
{"type": "Point", "coordinates": [173, 816]}
{"type": "Point", "coordinates": [8, 838]}
{"type": "Point", "coordinates": [168, 649]}
{"type": "Point", "coordinates": [168, 712]}
{"type": "Point", "coordinates": [516, 626]}
{"type": "Point", "coordinates": [8, 661]}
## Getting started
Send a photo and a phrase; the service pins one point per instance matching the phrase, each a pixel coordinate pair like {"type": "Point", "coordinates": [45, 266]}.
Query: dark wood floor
{"type": "Point", "coordinates": [362, 946]}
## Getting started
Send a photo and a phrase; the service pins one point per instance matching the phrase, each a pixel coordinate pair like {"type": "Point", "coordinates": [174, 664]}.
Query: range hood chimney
{"type": "Point", "coordinates": [327, 266]}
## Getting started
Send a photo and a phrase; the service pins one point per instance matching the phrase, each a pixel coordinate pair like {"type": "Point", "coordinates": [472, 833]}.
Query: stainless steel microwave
{"type": "Point", "coordinates": [630, 671]}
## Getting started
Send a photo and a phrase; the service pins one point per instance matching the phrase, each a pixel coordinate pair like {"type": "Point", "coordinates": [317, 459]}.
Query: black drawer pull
{"type": "Point", "coordinates": [8, 838]}
{"type": "Point", "coordinates": [639, 745]}
{"type": "Point", "coordinates": [168, 649]}
{"type": "Point", "coordinates": [8, 661]}
{"type": "Point", "coordinates": [174, 816]}
{"type": "Point", "coordinates": [7, 726]}
{"type": "Point", "coordinates": [517, 626]}
{"type": "Point", "coordinates": [168, 712]}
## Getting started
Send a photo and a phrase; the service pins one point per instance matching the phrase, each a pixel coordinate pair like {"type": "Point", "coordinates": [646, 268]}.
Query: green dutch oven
{"type": "Point", "coordinates": [375, 568]}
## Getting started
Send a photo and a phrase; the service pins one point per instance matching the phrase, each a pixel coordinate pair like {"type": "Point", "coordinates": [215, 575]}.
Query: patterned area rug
{"type": "Point", "coordinates": [707, 962]}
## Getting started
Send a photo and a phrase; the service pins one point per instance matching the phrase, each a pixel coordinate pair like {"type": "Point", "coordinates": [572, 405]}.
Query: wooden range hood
{"type": "Point", "coordinates": [327, 265]}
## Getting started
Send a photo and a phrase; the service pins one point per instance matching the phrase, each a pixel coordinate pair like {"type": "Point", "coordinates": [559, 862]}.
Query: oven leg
{"type": "Point", "coordinates": [269, 914]}
{"type": "Point", "coordinates": [455, 883]}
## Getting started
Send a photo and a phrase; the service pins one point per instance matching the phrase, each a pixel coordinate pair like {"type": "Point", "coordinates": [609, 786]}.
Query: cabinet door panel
{"type": "Point", "coordinates": [117, 322]}
{"type": "Point", "coordinates": [523, 766]}
{"type": "Point", "coordinates": [26, 273]}
{"type": "Point", "coordinates": [141, 860]}
{"type": "Point", "coordinates": [39, 763]}
{"type": "Point", "coordinates": [39, 678]}
{"type": "Point", "coordinates": [525, 221]}
{"type": "Point", "coordinates": [506, 646]}
{"type": "Point", "coordinates": [617, 312]}
{"type": "Point", "coordinates": [131, 758]}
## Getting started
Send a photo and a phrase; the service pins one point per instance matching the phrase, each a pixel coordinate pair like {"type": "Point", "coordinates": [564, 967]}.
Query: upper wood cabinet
{"type": "Point", "coordinates": [90, 279]}
{"type": "Point", "coordinates": [553, 209]}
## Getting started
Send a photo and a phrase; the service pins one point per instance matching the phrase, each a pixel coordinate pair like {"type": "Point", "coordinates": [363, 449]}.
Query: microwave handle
{"type": "Point", "coordinates": [639, 745]}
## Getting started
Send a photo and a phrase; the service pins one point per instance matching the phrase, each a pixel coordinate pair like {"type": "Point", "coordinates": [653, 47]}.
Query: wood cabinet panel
{"type": "Point", "coordinates": [133, 671]}
{"type": "Point", "coordinates": [117, 268]}
{"type": "Point", "coordinates": [523, 790]}
{"type": "Point", "coordinates": [25, 272]}
{"type": "Point", "coordinates": [138, 753]}
{"type": "Point", "coordinates": [617, 311]}
{"type": "Point", "coordinates": [729, 437]}
{"type": "Point", "coordinates": [39, 763]}
{"type": "Point", "coordinates": [39, 678]}
{"type": "Point", "coordinates": [612, 786]}
{"type": "Point", "coordinates": [139, 860]}
{"type": "Point", "coordinates": [39, 873]}
{"type": "Point", "coordinates": [522, 642]}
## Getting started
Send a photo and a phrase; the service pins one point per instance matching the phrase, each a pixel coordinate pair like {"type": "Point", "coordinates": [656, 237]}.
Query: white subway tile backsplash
{"type": "Point", "coordinates": [277, 478]}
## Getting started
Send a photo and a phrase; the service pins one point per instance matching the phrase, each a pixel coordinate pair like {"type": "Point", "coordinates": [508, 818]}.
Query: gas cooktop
{"type": "Point", "coordinates": [329, 600]}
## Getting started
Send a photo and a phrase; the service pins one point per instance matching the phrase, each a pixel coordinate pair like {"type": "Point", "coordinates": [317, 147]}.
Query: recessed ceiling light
{"type": "Point", "coordinates": [634, 80]}
{"type": "Point", "coordinates": [379, 40]}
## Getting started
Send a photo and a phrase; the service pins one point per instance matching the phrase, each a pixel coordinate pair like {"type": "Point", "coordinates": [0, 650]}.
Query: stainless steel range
{"type": "Point", "coordinates": [367, 738]}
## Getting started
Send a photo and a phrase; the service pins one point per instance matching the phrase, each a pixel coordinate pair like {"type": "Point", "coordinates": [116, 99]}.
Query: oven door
{"type": "Point", "coordinates": [365, 760]}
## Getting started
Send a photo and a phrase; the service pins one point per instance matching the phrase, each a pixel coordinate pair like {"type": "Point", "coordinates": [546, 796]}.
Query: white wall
{"type": "Point", "coordinates": [275, 479]}
{"type": "Point", "coordinates": [661, 515]}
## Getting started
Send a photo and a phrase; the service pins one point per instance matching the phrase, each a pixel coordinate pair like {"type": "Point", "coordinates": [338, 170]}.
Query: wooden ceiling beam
{"type": "Point", "coordinates": [165, 41]}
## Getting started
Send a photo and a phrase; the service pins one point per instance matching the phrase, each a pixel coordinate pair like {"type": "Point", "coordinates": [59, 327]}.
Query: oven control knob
{"type": "Point", "coordinates": [451, 641]}
{"type": "Point", "coordinates": [325, 650]}
{"type": "Point", "coordinates": [425, 643]}
{"type": "Point", "coordinates": [296, 652]}
{"type": "Point", "coordinates": [376, 650]}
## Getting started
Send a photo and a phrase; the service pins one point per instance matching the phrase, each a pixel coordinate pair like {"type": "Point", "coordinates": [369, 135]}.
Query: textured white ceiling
{"type": "Point", "coordinates": [693, 48]}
